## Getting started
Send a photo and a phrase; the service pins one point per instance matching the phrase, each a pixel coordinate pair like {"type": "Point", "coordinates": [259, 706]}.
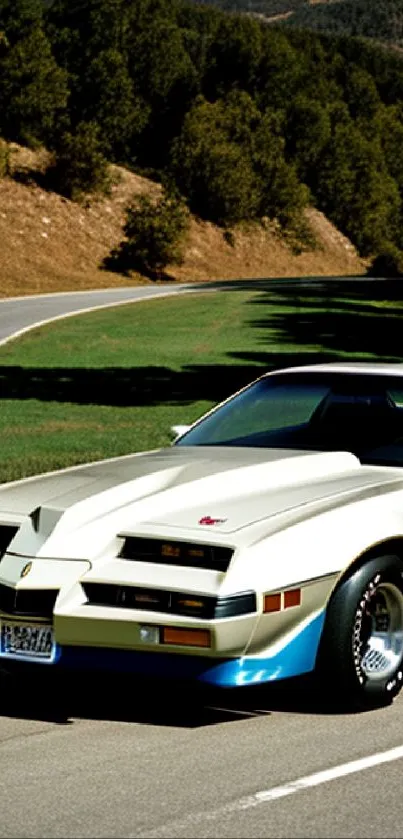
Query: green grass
{"type": "Point", "coordinates": [114, 381]}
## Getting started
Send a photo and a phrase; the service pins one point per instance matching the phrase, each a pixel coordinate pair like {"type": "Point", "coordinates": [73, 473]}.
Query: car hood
{"type": "Point", "coordinates": [203, 489]}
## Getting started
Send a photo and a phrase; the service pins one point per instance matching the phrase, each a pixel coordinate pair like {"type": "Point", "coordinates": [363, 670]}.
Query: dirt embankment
{"type": "Point", "coordinates": [49, 243]}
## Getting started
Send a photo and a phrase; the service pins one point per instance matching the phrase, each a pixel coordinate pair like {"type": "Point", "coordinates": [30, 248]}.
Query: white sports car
{"type": "Point", "coordinates": [265, 543]}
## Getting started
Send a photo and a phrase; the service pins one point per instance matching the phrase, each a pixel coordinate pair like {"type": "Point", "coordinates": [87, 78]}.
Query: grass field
{"type": "Point", "coordinates": [114, 381]}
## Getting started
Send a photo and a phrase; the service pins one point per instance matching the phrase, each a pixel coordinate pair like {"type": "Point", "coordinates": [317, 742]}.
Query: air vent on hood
{"type": "Point", "coordinates": [38, 602]}
{"type": "Point", "coordinates": [215, 557]}
{"type": "Point", "coordinates": [7, 533]}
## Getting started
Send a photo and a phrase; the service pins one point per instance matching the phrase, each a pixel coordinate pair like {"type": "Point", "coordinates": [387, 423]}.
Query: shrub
{"type": "Point", "coordinates": [80, 167]}
{"type": "Point", "coordinates": [387, 263]}
{"type": "Point", "coordinates": [155, 231]}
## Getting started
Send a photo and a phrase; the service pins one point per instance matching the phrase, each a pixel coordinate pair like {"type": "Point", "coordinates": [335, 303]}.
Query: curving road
{"type": "Point", "coordinates": [117, 758]}
{"type": "Point", "coordinates": [19, 314]}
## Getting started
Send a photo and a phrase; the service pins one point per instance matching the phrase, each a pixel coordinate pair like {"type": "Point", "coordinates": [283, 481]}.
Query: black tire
{"type": "Point", "coordinates": [360, 659]}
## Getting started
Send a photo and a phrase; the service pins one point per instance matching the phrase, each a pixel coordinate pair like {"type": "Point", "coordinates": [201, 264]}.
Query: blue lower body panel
{"type": "Point", "coordinates": [295, 659]}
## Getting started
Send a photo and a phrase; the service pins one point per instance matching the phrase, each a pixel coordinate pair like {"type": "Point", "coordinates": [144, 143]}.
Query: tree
{"type": "Point", "coordinates": [307, 132]}
{"type": "Point", "coordinates": [356, 191]}
{"type": "Point", "coordinates": [19, 17]}
{"type": "Point", "coordinates": [107, 97]}
{"type": "Point", "coordinates": [280, 70]}
{"type": "Point", "coordinates": [167, 79]}
{"type": "Point", "coordinates": [229, 162]}
{"type": "Point", "coordinates": [211, 167]}
{"type": "Point", "coordinates": [361, 93]}
{"type": "Point", "coordinates": [234, 56]}
{"type": "Point", "coordinates": [155, 230]}
{"type": "Point", "coordinates": [391, 131]}
{"type": "Point", "coordinates": [282, 196]}
{"type": "Point", "coordinates": [160, 64]}
{"type": "Point", "coordinates": [33, 89]}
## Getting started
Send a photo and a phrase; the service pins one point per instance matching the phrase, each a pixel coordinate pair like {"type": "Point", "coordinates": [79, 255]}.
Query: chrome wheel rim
{"type": "Point", "coordinates": [381, 635]}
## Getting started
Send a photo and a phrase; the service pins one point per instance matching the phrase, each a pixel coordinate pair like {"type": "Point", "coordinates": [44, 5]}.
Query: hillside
{"type": "Point", "coordinates": [51, 244]}
{"type": "Point", "coordinates": [268, 8]}
{"type": "Point", "coordinates": [246, 120]}
{"type": "Point", "coordinates": [380, 20]}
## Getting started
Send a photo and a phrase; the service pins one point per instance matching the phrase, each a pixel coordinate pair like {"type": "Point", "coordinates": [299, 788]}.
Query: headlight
{"type": "Point", "coordinates": [173, 602]}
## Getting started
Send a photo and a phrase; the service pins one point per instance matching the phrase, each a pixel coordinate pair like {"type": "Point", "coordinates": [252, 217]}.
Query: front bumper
{"type": "Point", "coordinates": [293, 659]}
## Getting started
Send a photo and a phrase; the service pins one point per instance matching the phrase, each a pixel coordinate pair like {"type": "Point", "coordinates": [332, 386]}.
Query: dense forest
{"type": "Point", "coordinates": [245, 120]}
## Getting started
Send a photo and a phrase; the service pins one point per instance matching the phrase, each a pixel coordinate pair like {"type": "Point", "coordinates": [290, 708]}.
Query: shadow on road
{"type": "Point", "coordinates": [125, 699]}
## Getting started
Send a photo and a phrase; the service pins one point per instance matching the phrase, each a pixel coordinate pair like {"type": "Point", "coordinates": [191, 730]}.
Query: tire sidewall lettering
{"type": "Point", "coordinates": [365, 599]}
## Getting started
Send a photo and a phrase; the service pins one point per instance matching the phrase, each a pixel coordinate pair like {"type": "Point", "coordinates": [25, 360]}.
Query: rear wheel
{"type": "Point", "coordinates": [361, 653]}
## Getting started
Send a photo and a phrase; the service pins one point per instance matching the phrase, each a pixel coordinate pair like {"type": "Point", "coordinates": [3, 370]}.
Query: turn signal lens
{"type": "Point", "coordinates": [190, 604]}
{"type": "Point", "coordinates": [186, 637]}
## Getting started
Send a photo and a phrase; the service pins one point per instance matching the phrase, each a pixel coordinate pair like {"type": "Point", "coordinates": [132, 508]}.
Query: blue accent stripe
{"type": "Point", "coordinates": [294, 659]}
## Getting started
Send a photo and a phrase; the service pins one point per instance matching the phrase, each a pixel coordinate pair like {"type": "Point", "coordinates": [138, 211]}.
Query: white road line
{"type": "Point", "coordinates": [325, 776]}
{"type": "Point", "coordinates": [265, 796]}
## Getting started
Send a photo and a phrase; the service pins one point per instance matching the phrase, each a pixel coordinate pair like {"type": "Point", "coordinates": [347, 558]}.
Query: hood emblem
{"type": "Point", "coordinates": [26, 569]}
{"type": "Point", "coordinates": [210, 521]}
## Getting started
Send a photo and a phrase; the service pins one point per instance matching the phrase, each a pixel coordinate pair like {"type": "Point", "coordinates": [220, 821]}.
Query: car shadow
{"type": "Point", "coordinates": [125, 699]}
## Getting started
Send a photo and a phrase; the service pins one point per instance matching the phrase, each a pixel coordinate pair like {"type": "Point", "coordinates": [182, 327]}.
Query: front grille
{"type": "Point", "coordinates": [7, 533]}
{"type": "Point", "coordinates": [173, 602]}
{"type": "Point", "coordinates": [213, 557]}
{"type": "Point", "coordinates": [38, 602]}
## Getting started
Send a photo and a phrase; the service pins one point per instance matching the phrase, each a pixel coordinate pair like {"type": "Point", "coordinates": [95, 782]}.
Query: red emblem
{"type": "Point", "coordinates": [208, 520]}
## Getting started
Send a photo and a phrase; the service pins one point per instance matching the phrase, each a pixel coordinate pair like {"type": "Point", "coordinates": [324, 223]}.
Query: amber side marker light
{"type": "Point", "coordinates": [272, 602]}
{"type": "Point", "coordinates": [186, 637]}
{"type": "Point", "coordinates": [292, 598]}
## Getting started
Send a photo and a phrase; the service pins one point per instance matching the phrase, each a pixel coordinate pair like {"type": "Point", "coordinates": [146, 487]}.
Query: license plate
{"type": "Point", "coordinates": [27, 640]}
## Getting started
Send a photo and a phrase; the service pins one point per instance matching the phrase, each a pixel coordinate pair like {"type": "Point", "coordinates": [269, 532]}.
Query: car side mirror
{"type": "Point", "coordinates": [178, 430]}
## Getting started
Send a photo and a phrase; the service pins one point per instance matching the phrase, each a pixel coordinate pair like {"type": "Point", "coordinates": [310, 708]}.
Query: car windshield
{"type": "Point", "coordinates": [319, 411]}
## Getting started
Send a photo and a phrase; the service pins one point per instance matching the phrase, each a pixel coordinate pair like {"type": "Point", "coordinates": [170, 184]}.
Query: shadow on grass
{"type": "Point", "coordinates": [356, 318]}
{"type": "Point", "coordinates": [313, 321]}
{"type": "Point", "coordinates": [138, 385]}
{"type": "Point", "coordinates": [154, 703]}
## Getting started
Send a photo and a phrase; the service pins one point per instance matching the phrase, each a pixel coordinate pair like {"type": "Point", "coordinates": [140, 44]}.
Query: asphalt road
{"type": "Point", "coordinates": [115, 758]}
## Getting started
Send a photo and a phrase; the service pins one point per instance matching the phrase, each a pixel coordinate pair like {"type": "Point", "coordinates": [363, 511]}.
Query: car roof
{"type": "Point", "coordinates": [370, 367]}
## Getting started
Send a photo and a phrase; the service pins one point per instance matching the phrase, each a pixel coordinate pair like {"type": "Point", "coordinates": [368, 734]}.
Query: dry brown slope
{"type": "Point", "coordinates": [49, 243]}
